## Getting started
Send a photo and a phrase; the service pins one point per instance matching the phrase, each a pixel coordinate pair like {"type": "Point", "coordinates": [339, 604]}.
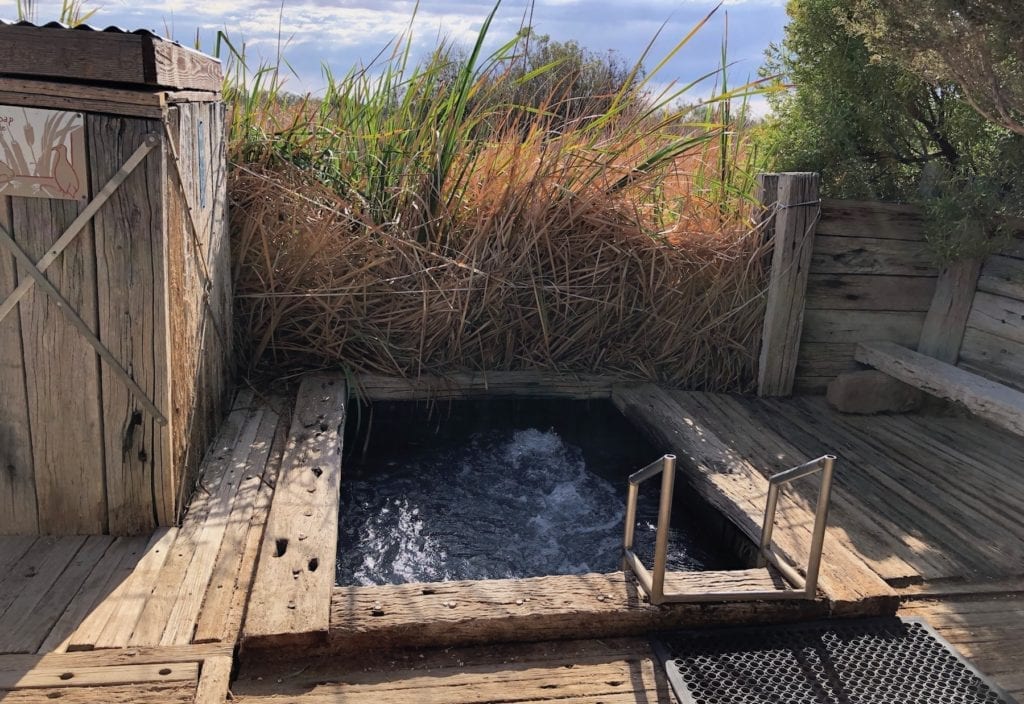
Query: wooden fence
{"type": "Point", "coordinates": [114, 304]}
{"type": "Point", "coordinates": [865, 273]}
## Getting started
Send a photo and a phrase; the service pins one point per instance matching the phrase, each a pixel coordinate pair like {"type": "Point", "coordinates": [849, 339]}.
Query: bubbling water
{"type": "Point", "coordinates": [502, 504]}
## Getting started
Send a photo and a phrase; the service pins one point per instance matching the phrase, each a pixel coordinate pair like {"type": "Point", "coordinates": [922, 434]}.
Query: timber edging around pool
{"type": "Point", "coordinates": [295, 603]}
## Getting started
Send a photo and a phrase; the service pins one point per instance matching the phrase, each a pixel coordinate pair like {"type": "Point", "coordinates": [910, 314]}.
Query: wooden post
{"type": "Point", "coordinates": [767, 194]}
{"type": "Point", "coordinates": [943, 330]}
{"type": "Point", "coordinates": [796, 216]}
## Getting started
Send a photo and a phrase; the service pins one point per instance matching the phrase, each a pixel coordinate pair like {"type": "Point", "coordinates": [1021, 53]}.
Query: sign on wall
{"type": "Point", "coordinates": [42, 154]}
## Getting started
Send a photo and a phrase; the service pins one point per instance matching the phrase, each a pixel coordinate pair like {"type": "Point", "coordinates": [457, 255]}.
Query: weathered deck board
{"type": "Point", "coordinates": [541, 608]}
{"type": "Point", "coordinates": [613, 671]}
{"type": "Point", "coordinates": [480, 385]}
{"type": "Point", "coordinates": [291, 593]}
{"type": "Point", "coordinates": [23, 631]}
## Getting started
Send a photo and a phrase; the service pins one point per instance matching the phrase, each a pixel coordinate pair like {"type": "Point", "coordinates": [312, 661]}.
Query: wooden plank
{"type": "Point", "coordinates": [132, 598]}
{"type": "Point", "coordinates": [990, 400]}
{"type": "Point", "coordinates": [825, 359]}
{"type": "Point", "coordinates": [91, 592]}
{"type": "Point", "coordinates": [144, 693]}
{"type": "Point", "coordinates": [964, 588]}
{"type": "Point", "coordinates": [23, 631]}
{"type": "Point", "coordinates": [766, 195]}
{"type": "Point", "coordinates": [1002, 276]}
{"type": "Point", "coordinates": [231, 628]}
{"type": "Point", "coordinates": [181, 621]}
{"type": "Point", "coordinates": [18, 512]}
{"type": "Point", "coordinates": [851, 218]}
{"type": "Point", "coordinates": [106, 57]}
{"type": "Point", "coordinates": [228, 571]}
{"type": "Point", "coordinates": [539, 608]}
{"type": "Point", "coordinates": [157, 611]}
{"type": "Point", "coordinates": [994, 357]}
{"type": "Point", "coordinates": [871, 255]}
{"type": "Point", "coordinates": [132, 322]}
{"type": "Point", "coordinates": [867, 292]}
{"type": "Point", "coordinates": [115, 657]}
{"type": "Point", "coordinates": [79, 98]}
{"type": "Point", "coordinates": [998, 315]}
{"type": "Point", "coordinates": [291, 592]}
{"type": "Point", "coordinates": [111, 596]}
{"type": "Point", "coordinates": [23, 587]}
{"type": "Point", "coordinates": [462, 385]}
{"type": "Point", "coordinates": [85, 676]}
{"type": "Point", "coordinates": [738, 491]}
{"type": "Point", "coordinates": [68, 464]}
{"type": "Point", "coordinates": [12, 548]}
{"type": "Point", "coordinates": [58, 53]}
{"type": "Point", "coordinates": [214, 679]}
{"type": "Point", "coordinates": [852, 326]}
{"type": "Point", "coordinates": [943, 329]}
{"type": "Point", "coordinates": [177, 66]}
{"type": "Point", "coordinates": [791, 255]}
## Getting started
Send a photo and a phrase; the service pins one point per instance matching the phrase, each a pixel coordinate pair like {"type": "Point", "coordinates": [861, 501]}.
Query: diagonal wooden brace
{"type": "Point", "coordinates": [73, 317]}
{"type": "Point", "coordinates": [81, 221]}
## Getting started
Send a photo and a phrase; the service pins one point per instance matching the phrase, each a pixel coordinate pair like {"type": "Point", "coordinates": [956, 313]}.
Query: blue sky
{"type": "Point", "coordinates": [343, 32]}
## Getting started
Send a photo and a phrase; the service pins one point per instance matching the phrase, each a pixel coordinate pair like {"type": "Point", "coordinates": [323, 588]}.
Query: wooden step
{"type": "Point", "coordinates": [986, 398]}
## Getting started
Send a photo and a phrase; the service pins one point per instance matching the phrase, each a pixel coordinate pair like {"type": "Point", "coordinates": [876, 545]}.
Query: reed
{"type": "Point", "coordinates": [410, 221]}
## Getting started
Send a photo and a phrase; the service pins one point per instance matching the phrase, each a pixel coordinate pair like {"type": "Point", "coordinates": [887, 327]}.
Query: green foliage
{"type": "Point", "coordinates": [977, 45]}
{"type": "Point", "coordinates": [72, 12]}
{"type": "Point", "coordinates": [876, 130]}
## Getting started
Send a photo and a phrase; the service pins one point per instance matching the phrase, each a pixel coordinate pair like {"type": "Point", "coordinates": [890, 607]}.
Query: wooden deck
{"type": "Point", "coordinates": [931, 505]}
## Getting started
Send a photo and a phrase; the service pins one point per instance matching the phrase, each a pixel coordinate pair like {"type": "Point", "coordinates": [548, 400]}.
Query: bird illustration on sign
{"type": "Point", "coordinates": [42, 153]}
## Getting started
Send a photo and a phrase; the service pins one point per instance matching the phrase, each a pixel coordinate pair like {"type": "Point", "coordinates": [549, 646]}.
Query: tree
{"type": "Point", "coordinates": [976, 44]}
{"type": "Point", "coordinates": [876, 129]}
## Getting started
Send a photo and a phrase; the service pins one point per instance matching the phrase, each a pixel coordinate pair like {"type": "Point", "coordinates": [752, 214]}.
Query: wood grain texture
{"type": "Point", "coordinates": [825, 359]}
{"type": "Point", "coordinates": [540, 608]}
{"type": "Point", "coordinates": [144, 693]}
{"type": "Point", "coordinates": [184, 614]}
{"type": "Point", "coordinates": [106, 57]}
{"type": "Point", "coordinates": [18, 512]}
{"type": "Point", "coordinates": [994, 357]}
{"type": "Point", "coordinates": [199, 281]}
{"type": "Point", "coordinates": [132, 596]}
{"type": "Point", "coordinates": [214, 680]}
{"type": "Point", "coordinates": [851, 218]}
{"type": "Point", "coordinates": [1002, 276]}
{"type": "Point", "coordinates": [95, 587]}
{"type": "Point", "coordinates": [86, 676]}
{"type": "Point", "coordinates": [292, 590]}
{"type": "Point", "coordinates": [612, 671]}
{"type": "Point", "coordinates": [67, 440]}
{"type": "Point", "coordinates": [111, 596]}
{"type": "Point", "coordinates": [943, 329]}
{"type": "Point", "coordinates": [153, 622]}
{"type": "Point", "coordinates": [462, 385]}
{"type": "Point", "coordinates": [738, 490]}
{"type": "Point", "coordinates": [23, 630]}
{"type": "Point", "coordinates": [991, 400]}
{"type": "Point", "coordinates": [23, 587]}
{"type": "Point", "coordinates": [78, 98]}
{"type": "Point", "coordinates": [132, 284]}
{"type": "Point", "coordinates": [867, 292]}
{"type": "Point", "coordinates": [229, 571]}
{"type": "Point", "coordinates": [795, 221]}
{"type": "Point", "coordinates": [852, 326]}
{"type": "Point", "coordinates": [998, 315]}
{"type": "Point", "coordinates": [871, 255]}
{"type": "Point", "coordinates": [177, 66]}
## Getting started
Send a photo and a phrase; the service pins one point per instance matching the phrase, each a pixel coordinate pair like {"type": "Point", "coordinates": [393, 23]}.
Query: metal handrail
{"type": "Point", "coordinates": [653, 581]}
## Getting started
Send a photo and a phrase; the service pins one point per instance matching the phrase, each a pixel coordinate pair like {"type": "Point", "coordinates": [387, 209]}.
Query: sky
{"type": "Point", "coordinates": [341, 33]}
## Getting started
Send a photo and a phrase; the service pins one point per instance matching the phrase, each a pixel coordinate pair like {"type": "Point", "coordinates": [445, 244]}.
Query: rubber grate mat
{"type": "Point", "coordinates": [862, 661]}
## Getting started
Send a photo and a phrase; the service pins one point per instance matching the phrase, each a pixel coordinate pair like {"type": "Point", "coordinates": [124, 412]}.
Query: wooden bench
{"type": "Point", "coordinates": [988, 399]}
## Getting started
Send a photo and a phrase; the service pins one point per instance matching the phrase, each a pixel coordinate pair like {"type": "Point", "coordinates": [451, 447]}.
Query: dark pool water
{"type": "Point", "coordinates": [499, 490]}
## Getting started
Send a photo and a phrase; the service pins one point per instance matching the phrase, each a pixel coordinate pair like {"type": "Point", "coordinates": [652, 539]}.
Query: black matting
{"type": "Point", "coordinates": [859, 661]}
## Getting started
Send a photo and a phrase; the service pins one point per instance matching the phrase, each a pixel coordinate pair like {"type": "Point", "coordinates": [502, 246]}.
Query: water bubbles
{"type": "Point", "coordinates": [501, 504]}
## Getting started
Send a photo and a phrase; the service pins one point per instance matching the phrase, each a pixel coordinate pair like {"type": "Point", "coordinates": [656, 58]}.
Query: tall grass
{"type": "Point", "coordinates": [408, 221]}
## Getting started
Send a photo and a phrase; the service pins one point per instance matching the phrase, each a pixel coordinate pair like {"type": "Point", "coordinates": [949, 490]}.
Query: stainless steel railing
{"type": "Point", "coordinates": [653, 581]}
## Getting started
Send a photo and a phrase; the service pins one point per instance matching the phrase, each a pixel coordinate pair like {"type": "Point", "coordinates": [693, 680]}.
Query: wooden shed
{"type": "Point", "coordinates": [115, 293]}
